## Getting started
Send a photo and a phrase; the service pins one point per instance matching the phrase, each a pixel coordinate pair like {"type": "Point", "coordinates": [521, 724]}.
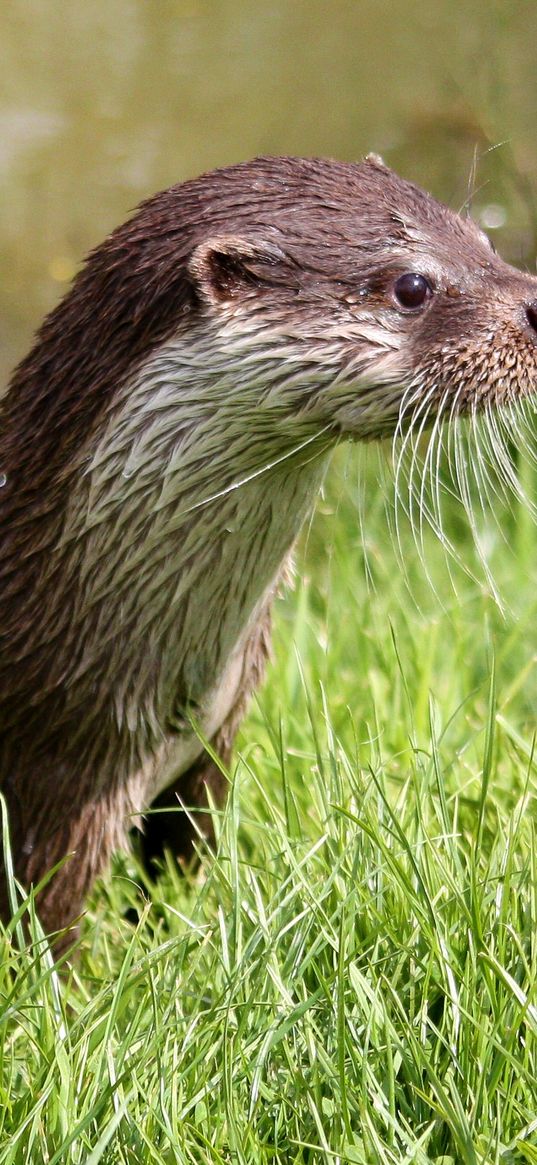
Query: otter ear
{"type": "Point", "coordinates": [227, 268]}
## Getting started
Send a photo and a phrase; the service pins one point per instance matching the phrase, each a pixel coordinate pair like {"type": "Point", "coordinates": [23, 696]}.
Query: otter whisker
{"type": "Point", "coordinates": [488, 483]}
{"type": "Point", "coordinates": [517, 424]}
{"type": "Point", "coordinates": [290, 454]}
{"type": "Point", "coordinates": [457, 462]}
{"type": "Point", "coordinates": [479, 463]}
{"type": "Point", "coordinates": [463, 485]}
{"type": "Point", "coordinates": [479, 435]}
{"type": "Point", "coordinates": [414, 467]}
{"type": "Point", "coordinates": [417, 428]}
{"type": "Point", "coordinates": [436, 472]}
{"type": "Point", "coordinates": [431, 468]}
{"type": "Point", "coordinates": [405, 462]}
{"type": "Point", "coordinates": [405, 430]}
{"type": "Point", "coordinates": [506, 472]}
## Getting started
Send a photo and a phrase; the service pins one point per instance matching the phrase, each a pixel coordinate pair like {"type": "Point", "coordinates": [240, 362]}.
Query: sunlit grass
{"type": "Point", "coordinates": [353, 978]}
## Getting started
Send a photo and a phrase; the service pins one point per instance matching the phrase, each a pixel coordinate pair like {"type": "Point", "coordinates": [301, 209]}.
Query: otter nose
{"type": "Point", "coordinates": [531, 314]}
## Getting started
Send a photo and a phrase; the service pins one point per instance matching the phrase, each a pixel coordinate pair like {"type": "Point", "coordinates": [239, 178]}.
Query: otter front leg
{"type": "Point", "coordinates": [171, 827]}
{"type": "Point", "coordinates": [179, 817]}
{"type": "Point", "coordinates": [81, 837]}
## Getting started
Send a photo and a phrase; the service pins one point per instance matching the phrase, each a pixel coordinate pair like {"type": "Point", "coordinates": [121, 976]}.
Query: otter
{"type": "Point", "coordinates": [160, 448]}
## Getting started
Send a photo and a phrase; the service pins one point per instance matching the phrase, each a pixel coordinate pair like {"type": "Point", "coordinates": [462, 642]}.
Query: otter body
{"type": "Point", "coordinates": [160, 448]}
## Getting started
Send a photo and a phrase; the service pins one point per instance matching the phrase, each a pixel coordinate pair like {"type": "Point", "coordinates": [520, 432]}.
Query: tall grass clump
{"type": "Point", "coordinates": [352, 978]}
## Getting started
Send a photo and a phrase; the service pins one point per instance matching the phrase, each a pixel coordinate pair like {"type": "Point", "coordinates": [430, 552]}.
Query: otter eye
{"type": "Point", "coordinates": [412, 290]}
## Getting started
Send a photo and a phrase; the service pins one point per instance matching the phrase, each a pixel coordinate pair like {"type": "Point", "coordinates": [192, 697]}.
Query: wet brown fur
{"type": "Point", "coordinates": [303, 249]}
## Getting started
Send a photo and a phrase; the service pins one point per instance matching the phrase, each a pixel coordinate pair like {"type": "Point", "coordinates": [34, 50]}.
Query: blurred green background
{"type": "Point", "coordinates": [103, 103]}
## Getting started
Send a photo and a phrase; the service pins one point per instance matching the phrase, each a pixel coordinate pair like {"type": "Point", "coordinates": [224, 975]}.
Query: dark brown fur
{"type": "Point", "coordinates": [304, 249]}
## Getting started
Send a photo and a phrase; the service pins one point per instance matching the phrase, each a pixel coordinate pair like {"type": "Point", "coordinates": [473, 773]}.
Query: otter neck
{"type": "Point", "coordinates": [173, 537]}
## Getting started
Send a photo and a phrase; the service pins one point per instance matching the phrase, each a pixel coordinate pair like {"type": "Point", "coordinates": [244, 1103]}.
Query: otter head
{"type": "Point", "coordinates": [296, 296]}
{"type": "Point", "coordinates": [361, 301]}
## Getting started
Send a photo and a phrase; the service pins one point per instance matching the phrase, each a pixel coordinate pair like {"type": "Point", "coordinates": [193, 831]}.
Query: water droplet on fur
{"type": "Point", "coordinates": [3, 479]}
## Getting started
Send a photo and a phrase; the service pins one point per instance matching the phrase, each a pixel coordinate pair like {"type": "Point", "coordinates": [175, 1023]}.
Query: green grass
{"type": "Point", "coordinates": [353, 978]}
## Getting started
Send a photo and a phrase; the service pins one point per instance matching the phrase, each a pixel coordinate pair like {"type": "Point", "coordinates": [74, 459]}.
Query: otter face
{"type": "Point", "coordinates": [378, 304]}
